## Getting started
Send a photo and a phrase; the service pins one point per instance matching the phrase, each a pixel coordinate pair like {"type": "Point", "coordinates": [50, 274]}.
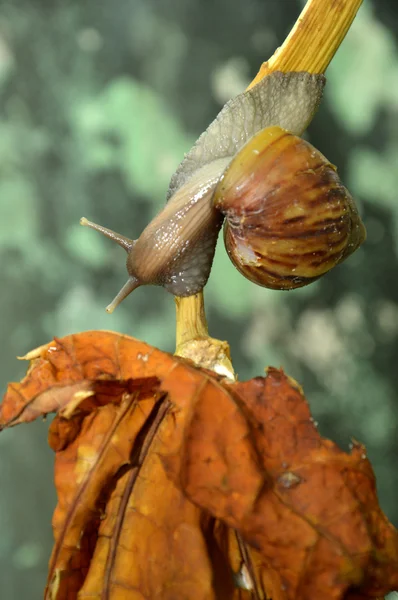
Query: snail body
{"type": "Point", "coordinates": [176, 249]}
{"type": "Point", "coordinates": [288, 218]}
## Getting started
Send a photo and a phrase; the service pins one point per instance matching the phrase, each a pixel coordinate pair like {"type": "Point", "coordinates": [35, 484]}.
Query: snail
{"type": "Point", "coordinates": [288, 218]}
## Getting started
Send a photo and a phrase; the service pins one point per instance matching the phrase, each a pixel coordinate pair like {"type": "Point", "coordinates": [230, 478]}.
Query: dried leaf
{"type": "Point", "coordinates": [315, 519]}
{"type": "Point", "coordinates": [174, 484]}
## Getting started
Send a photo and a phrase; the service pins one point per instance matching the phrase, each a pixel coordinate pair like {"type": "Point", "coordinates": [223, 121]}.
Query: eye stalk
{"type": "Point", "coordinates": [132, 283]}
{"type": "Point", "coordinates": [123, 241]}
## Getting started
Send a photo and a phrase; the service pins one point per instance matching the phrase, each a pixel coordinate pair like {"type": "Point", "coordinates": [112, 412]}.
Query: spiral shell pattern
{"type": "Point", "coordinates": [289, 219]}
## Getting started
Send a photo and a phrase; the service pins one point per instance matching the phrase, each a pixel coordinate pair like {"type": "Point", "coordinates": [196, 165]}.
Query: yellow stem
{"type": "Point", "coordinates": [310, 46]}
{"type": "Point", "coordinates": [191, 319]}
{"type": "Point", "coordinates": [193, 341]}
{"type": "Point", "coordinates": [314, 39]}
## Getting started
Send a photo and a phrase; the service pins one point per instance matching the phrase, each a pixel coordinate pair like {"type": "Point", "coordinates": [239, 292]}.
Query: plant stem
{"type": "Point", "coordinates": [193, 341]}
{"type": "Point", "coordinates": [314, 39]}
{"type": "Point", "coordinates": [191, 319]}
{"type": "Point", "coordinates": [310, 46]}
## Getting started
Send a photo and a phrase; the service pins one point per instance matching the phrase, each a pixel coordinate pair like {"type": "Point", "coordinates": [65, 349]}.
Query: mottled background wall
{"type": "Point", "coordinates": [99, 101]}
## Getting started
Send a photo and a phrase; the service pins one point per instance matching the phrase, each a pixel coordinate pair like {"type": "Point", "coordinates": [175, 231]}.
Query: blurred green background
{"type": "Point", "coordinates": [99, 102]}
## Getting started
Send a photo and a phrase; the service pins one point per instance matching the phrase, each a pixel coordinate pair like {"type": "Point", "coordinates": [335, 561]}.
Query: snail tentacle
{"type": "Point", "coordinates": [131, 284]}
{"type": "Point", "coordinates": [123, 241]}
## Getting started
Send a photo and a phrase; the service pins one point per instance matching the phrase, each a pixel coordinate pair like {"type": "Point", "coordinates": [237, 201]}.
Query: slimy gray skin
{"type": "Point", "coordinates": [287, 100]}
{"type": "Point", "coordinates": [176, 249]}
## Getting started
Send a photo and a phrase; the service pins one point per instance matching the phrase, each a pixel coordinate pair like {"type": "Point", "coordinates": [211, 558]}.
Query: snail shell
{"type": "Point", "coordinates": [289, 219]}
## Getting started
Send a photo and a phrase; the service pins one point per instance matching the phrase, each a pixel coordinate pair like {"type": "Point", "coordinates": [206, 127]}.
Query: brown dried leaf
{"type": "Point", "coordinates": [172, 484]}
{"type": "Point", "coordinates": [315, 519]}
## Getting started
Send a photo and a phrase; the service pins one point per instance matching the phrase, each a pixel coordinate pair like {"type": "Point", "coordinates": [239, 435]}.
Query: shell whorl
{"type": "Point", "coordinates": [289, 219]}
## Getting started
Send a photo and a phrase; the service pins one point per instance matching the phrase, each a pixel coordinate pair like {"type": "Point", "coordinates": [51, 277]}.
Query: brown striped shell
{"type": "Point", "coordinates": [289, 219]}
